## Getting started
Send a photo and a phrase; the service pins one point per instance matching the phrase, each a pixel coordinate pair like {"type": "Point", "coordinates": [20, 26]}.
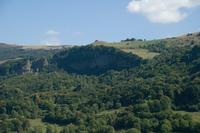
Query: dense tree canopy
{"type": "Point", "coordinates": [102, 90]}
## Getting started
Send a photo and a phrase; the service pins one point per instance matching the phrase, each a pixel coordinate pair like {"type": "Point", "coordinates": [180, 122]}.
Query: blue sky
{"type": "Point", "coordinates": [83, 21]}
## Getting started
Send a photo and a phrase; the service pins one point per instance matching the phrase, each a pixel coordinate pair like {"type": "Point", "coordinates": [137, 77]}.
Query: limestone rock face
{"type": "Point", "coordinates": [27, 67]}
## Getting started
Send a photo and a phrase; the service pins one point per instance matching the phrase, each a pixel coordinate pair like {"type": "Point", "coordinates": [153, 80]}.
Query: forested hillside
{"type": "Point", "coordinates": [101, 89]}
{"type": "Point", "coordinates": [95, 59]}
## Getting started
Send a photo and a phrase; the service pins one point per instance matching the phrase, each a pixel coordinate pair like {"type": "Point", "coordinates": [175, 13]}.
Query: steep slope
{"type": "Point", "coordinates": [94, 60]}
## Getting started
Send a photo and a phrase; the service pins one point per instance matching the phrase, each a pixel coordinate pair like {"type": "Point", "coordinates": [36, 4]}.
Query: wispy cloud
{"type": "Point", "coordinates": [162, 11]}
{"type": "Point", "coordinates": [51, 38]}
{"type": "Point", "coordinates": [78, 33]}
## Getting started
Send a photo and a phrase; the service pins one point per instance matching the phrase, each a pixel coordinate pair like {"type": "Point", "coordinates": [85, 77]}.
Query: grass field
{"type": "Point", "coordinates": [123, 45]}
{"type": "Point", "coordinates": [134, 47]}
{"type": "Point", "coordinates": [42, 125]}
{"type": "Point", "coordinates": [144, 53]}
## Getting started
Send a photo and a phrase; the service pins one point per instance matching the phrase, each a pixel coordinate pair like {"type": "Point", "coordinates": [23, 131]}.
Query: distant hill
{"type": "Point", "coordinates": [4, 45]}
{"type": "Point", "coordinates": [12, 52]}
{"type": "Point", "coordinates": [45, 47]}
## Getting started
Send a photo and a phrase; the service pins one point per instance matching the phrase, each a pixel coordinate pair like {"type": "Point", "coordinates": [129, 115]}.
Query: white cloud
{"type": "Point", "coordinates": [51, 38]}
{"type": "Point", "coordinates": [162, 11]}
{"type": "Point", "coordinates": [52, 32]}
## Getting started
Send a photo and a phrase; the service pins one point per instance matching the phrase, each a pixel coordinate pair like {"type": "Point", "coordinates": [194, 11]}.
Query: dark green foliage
{"type": "Point", "coordinates": [131, 96]}
{"type": "Point", "coordinates": [128, 40]}
{"type": "Point", "coordinates": [18, 125]}
{"type": "Point", "coordinates": [166, 126]}
{"type": "Point", "coordinates": [94, 60]}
